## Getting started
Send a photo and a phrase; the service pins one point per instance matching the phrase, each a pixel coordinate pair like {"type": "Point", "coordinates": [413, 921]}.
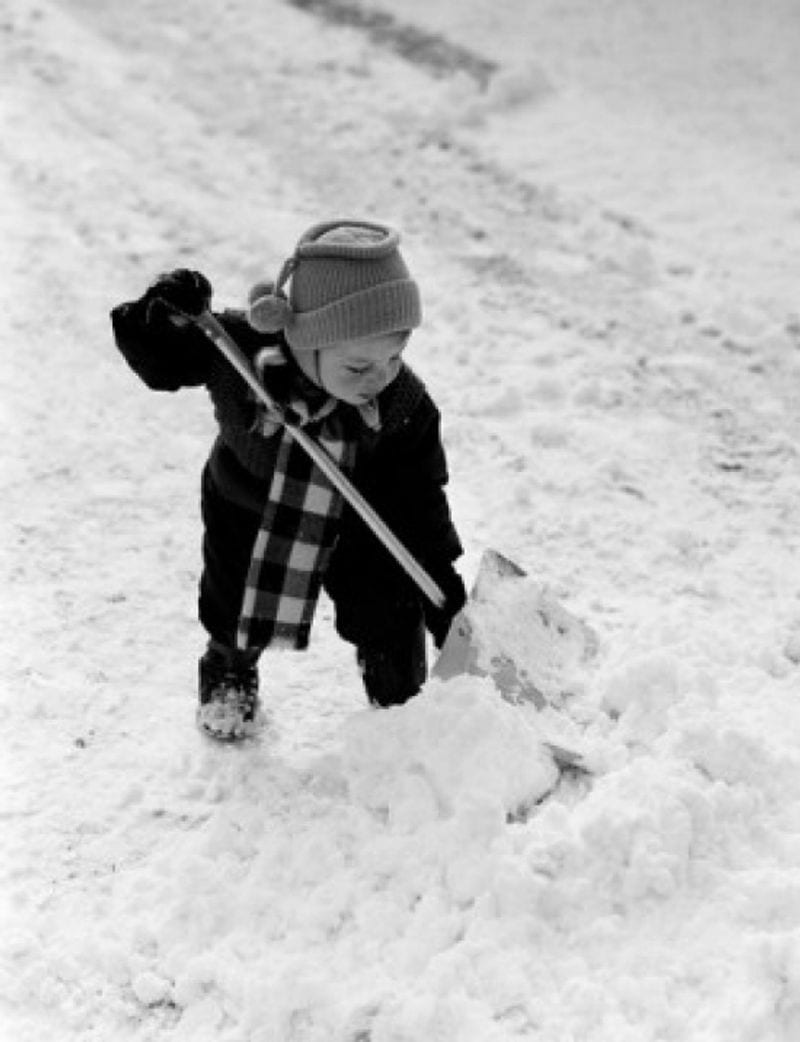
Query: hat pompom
{"type": "Point", "coordinates": [268, 312]}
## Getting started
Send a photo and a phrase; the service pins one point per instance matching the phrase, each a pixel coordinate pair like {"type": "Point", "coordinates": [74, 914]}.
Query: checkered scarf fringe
{"type": "Point", "coordinates": [297, 535]}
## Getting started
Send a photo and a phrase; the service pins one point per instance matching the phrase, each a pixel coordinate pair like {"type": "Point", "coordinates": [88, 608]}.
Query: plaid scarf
{"type": "Point", "coordinates": [298, 528]}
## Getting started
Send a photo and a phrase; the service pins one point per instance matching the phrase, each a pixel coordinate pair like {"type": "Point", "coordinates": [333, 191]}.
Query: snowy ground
{"type": "Point", "coordinates": [607, 231]}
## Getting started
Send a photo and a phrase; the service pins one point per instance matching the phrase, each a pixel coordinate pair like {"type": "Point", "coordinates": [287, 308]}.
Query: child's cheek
{"type": "Point", "coordinates": [346, 387]}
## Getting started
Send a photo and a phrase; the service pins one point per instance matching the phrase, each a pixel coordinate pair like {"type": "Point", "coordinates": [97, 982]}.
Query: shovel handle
{"type": "Point", "coordinates": [231, 350]}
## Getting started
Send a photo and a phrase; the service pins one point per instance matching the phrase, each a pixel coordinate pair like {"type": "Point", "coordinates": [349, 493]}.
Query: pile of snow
{"type": "Point", "coordinates": [431, 877]}
{"type": "Point", "coordinates": [365, 865]}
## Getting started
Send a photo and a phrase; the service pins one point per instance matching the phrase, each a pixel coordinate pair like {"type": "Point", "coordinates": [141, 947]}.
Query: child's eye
{"type": "Point", "coordinates": [360, 370]}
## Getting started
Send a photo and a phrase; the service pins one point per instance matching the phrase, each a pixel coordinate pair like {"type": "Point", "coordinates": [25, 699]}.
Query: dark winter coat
{"type": "Point", "coordinates": [400, 469]}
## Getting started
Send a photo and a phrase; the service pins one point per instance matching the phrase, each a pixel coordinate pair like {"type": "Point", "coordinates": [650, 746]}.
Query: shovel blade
{"type": "Point", "coordinates": [457, 655]}
{"type": "Point", "coordinates": [514, 631]}
{"type": "Point", "coordinates": [461, 652]}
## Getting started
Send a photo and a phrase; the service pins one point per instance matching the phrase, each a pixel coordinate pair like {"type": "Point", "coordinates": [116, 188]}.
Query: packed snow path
{"type": "Point", "coordinates": [605, 252]}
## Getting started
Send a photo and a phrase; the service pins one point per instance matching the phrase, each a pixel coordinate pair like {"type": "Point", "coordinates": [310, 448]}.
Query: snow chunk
{"type": "Point", "coordinates": [642, 693]}
{"type": "Point", "coordinates": [456, 749]}
{"type": "Point", "coordinates": [150, 989]}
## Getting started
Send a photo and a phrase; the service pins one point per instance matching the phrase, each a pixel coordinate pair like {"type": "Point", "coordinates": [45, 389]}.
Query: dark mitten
{"type": "Point", "coordinates": [438, 620]}
{"type": "Point", "coordinates": [183, 292]}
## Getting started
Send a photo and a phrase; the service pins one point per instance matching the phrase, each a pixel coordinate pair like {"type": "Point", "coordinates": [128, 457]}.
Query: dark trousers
{"type": "Point", "coordinates": [376, 607]}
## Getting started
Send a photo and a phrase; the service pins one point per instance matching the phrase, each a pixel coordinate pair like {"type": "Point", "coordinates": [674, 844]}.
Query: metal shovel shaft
{"type": "Point", "coordinates": [231, 350]}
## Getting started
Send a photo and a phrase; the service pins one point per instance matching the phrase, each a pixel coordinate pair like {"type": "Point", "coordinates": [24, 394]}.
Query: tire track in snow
{"type": "Point", "coordinates": [430, 51]}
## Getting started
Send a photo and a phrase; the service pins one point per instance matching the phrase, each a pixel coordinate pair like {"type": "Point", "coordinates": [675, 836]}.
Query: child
{"type": "Point", "coordinates": [329, 351]}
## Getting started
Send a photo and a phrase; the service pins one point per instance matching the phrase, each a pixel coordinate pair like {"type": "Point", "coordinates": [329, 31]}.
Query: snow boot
{"type": "Point", "coordinates": [393, 673]}
{"type": "Point", "coordinates": [229, 708]}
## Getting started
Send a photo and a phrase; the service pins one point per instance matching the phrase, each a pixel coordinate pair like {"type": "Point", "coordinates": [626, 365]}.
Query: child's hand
{"type": "Point", "coordinates": [455, 597]}
{"type": "Point", "coordinates": [181, 292]}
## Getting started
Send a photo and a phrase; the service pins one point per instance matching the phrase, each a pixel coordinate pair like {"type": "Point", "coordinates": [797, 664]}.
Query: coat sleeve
{"type": "Point", "coordinates": [165, 356]}
{"type": "Point", "coordinates": [405, 479]}
{"type": "Point", "coordinates": [418, 496]}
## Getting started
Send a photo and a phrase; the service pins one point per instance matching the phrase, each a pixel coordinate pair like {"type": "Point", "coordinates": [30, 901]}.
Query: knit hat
{"type": "Point", "coordinates": [348, 281]}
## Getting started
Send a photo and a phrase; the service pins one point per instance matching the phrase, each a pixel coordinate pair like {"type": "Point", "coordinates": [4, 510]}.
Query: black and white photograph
{"type": "Point", "coordinates": [401, 508]}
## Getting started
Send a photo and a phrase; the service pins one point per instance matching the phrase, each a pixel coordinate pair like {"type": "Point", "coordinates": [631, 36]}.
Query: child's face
{"type": "Point", "coordinates": [358, 370]}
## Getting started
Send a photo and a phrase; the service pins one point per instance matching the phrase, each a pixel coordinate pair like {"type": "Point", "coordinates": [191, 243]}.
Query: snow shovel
{"type": "Point", "coordinates": [472, 645]}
